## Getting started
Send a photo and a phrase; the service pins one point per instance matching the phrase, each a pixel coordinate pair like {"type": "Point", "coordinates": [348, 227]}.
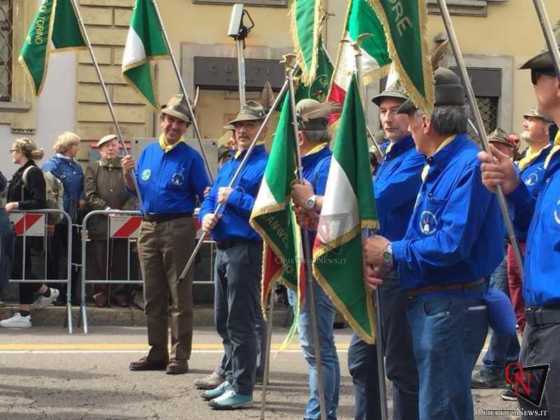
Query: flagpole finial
{"type": "Point", "coordinates": [289, 61]}
{"type": "Point", "coordinates": [357, 44]}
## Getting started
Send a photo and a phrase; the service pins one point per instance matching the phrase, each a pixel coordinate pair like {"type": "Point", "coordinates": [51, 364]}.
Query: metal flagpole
{"type": "Point", "coordinates": [479, 122]}
{"type": "Point", "coordinates": [548, 34]}
{"type": "Point", "coordinates": [241, 71]}
{"type": "Point", "coordinates": [367, 233]}
{"type": "Point", "coordinates": [237, 174]}
{"type": "Point", "coordinates": [266, 375]}
{"type": "Point", "coordinates": [290, 63]}
{"type": "Point", "coordinates": [196, 129]}
{"type": "Point", "coordinates": [104, 88]}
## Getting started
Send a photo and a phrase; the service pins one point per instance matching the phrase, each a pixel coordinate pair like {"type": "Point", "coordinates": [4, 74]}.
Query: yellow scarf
{"type": "Point", "coordinates": [165, 146]}
{"type": "Point", "coordinates": [530, 156]}
{"type": "Point", "coordinates": [426, 167]}
{"type": "Point", "coordinates": [554, 150]}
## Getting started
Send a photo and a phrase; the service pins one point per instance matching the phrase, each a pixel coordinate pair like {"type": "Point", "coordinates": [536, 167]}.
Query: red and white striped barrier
{"type": "Point", "coordinates": [123, 227]}
{"type": "Point", "coordinates": [28, 224]}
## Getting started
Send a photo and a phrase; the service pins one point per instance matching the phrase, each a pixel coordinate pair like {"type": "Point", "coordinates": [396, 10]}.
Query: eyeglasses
{"type": "Point", "coordinates": [537, 73]}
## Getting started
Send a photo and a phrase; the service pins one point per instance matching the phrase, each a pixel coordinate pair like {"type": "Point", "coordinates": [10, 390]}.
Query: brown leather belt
{"type": "Point", "coordinates": [446, 287]}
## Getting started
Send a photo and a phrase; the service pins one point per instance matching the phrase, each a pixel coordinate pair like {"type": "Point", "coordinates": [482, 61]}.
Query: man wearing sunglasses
{"type": "Point", "coordinates": [538, 212]}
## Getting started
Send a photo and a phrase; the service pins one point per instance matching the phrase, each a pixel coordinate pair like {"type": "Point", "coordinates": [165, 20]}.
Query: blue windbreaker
{"type": "Point", "coordinates": [170, 182]}
{"type": "Point", "coordinates": [70, 173]}
{"type": "Point", "coordinates": [234, 223]}
{"type": "Point", "coordinates": [396, 186]}
{"type": "Point", "coordinates": [455, 234]}
{"type": "Point", "coordinates": [541, 282]}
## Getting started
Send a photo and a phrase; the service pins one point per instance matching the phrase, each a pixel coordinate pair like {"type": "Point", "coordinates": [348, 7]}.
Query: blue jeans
{"type": "Point", "coordinates": [448, 332]}
{"type": "Point", "coordinates": [502, 349]}
{"type": "Point", "coordinates": [329, 359]}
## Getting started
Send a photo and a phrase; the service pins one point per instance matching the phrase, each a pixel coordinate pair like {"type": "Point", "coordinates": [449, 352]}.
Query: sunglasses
{"type": "Point", "coordinates": [537, 73]}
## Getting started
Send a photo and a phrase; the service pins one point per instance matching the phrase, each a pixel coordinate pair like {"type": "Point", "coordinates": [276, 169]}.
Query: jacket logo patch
{"type": "Point", "coordinates": [177, 179]}
{"type": "Point", "coordinates": [428, 222]}
{"type": "Point", "coordinates": [557, 212]}
{"type": "Point", "coordinates": [532, 180]}
{"type": "Point", "coordinates": [146, 174]}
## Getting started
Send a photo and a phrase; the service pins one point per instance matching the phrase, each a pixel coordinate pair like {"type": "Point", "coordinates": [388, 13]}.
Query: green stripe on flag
{"type": "Point", "coordinates": [66, 32]}
{"type": "Point", "coordinates": [145, 42]}
{"type": "Point", "coordinates": [405, 29]}
{"type": "Point", "coordinates": [305, 30]}
{"type": "Point", "coordinates": [348, 207]}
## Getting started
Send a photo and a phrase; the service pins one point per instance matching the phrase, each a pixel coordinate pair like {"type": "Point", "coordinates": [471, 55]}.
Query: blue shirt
{"type": "Point", "coordinates": [396, 186]}
{"type": "Point", "coordinates": [541, 281]}
{"type": "Point", "coordinates": [170, 183]}
{"type": "Point", "coordinates": [532, 176]}
{"type": "Point", "coordinates": [234, 222]}
{"type": "Point", "coordinates": [70, 173]}
{"type": "Point", "coordinates": [315, 168]}
{"type": "Point", "coordinates": [455, 234]}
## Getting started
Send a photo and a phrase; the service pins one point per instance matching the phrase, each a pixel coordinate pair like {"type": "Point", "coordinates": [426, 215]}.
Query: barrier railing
{"type": "Point", "coordinates": [35, 224]}
{"type": "Point", "coordinates": [121, 225]}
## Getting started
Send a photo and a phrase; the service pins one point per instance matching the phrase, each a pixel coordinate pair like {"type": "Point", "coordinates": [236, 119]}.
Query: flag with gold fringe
{"type": "Point", "coordinates": [273, 216]}
{"type": "Point", "coordinates": [306, 22]}
{"type": "Point", "coordinates": [54, 27]}
{"type": "Point", "coordinates": [348, 208]}
{"type": "Point", "coordinates": [405, 29]}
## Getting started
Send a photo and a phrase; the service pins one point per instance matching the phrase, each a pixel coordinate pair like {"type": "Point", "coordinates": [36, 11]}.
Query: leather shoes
{"type": "Point", "coordinates": [176, 367]}
{"type": "Point", "coordinates": [145, 364]}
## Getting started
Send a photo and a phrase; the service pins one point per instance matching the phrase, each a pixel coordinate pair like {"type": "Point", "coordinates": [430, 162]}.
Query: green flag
{"type": "Point", "coordinates": [348, 207]}
{"type": "Point", "coordinates": [273, 216]}
{"type": "Point", "coordinates": [319, 87]}
{"type": "Point", "coordinates": [145, 42]}
{"type": "Point", "coordinates": [306, 34]}
{"type": "Point", "coordinates": [55, 22]}
{"type": "Point", "coordinates": [405, 28]}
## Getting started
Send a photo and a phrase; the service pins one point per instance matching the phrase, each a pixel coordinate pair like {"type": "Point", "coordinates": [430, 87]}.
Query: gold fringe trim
{"type": "Point", "coordinates": [324, 283]}
{"type": "Point", "coordinates": [308, 75]}
{"type": "Point", "coordinates": [426, 104]}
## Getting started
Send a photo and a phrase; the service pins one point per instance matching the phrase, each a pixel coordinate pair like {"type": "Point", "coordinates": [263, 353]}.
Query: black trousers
{"type": "Point", "coordinates": [26, 290]}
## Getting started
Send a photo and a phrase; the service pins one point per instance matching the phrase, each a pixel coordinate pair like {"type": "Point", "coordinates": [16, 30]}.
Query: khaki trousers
{"type": "Point", "coordinates": [163, 249]}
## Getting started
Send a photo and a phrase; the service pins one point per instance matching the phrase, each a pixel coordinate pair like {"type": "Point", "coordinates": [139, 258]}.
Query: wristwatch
{"type": "Point", "coordinates": [310, 202]}
{"type": "Point", "coordinates": [388, 256]}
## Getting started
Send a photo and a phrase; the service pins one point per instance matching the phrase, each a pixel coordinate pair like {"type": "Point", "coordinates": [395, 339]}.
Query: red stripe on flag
{"type": "Point", "coordinates": [337, 95]}
{"type": "Point", "coordinates": [128, 228]}
{"type": "Point", "coordinates": [25, 223]}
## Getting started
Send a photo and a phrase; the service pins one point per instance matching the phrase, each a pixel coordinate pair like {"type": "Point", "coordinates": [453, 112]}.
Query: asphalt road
{"type": "Point", "coordinates": [47, 374]}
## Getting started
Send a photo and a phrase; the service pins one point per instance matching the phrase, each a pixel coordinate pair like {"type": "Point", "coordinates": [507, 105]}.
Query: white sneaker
{"type": "Point", "coordinates": [44, 301]}
{"type": "Point", "coordinates": [17, 321]}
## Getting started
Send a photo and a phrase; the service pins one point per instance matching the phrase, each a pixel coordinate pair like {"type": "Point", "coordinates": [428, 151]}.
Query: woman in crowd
{"type": "Point", "coordinates": [27, 192]}
{"type": "Point", "coordinates": [69, 172]}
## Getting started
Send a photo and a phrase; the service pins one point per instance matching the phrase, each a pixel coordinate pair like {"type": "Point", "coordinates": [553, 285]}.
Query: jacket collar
{"type": "Point", "coordinates": [396, 149]}
{"type": "Point", "coordinates": [315, 154]}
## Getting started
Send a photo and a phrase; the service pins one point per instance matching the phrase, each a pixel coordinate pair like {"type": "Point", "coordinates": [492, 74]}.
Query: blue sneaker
{"type": "Point", "coordinates": [216, 392]}
{"type": "Point", "coordinates": [231, 400]}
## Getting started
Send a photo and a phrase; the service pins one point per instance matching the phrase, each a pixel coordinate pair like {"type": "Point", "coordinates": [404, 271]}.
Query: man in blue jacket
{"type": "Point", "coordinates": [238, 262]}
{"type": "Point", "coordinates": [172, 178]}
{"type": "Point", "coordinates": [539, 211]}
{"type": "Point", "coordinates": [452, 244]}
{"type": "Point", "coordinates": [396, 185]}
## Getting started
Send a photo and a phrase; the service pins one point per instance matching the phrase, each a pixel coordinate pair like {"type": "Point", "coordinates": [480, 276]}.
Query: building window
{"type": "Point", "coordinates": [5, 50]}
{"type": "Point", "coordinates": [488, 107]}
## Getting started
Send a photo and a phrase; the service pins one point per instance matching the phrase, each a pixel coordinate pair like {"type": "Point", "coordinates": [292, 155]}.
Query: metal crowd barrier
{"type": "Point", "coordinates": [121, 224]}
{"type": "Point", "coordinates": [34, 223]}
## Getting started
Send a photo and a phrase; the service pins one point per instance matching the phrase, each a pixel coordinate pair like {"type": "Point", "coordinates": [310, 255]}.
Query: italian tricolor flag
{"type": "Point", "coordinates": [348, 210]}
{"type": "Point", "coordinates": [273, 216]}
{"type": "Point", "coordinates": [360, 19]}
{"type": "Point", "coordinates": [144, 43]}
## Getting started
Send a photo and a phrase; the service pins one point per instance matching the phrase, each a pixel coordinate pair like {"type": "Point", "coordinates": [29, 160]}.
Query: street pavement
{"type": "Point", "coordinates": [48, 374]}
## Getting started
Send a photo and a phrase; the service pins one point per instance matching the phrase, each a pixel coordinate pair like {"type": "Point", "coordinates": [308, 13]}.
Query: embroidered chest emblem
{"type": "Point", "coordinates": [146, 174]}
{"type": "Point", "coordinates": [428, 222]}
{"type": "Point", "coordinates": [177, 179]}
{"type": "Point", "coordinates": [557, 212]}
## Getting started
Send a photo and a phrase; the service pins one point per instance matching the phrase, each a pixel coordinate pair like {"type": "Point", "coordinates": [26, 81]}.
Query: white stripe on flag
{"type": "Point", "coordinates": [134, 51]}
{"type": "Point", "coordinates": [339, 214]}
{"type": "Point", "coordinates": [347, 63]}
